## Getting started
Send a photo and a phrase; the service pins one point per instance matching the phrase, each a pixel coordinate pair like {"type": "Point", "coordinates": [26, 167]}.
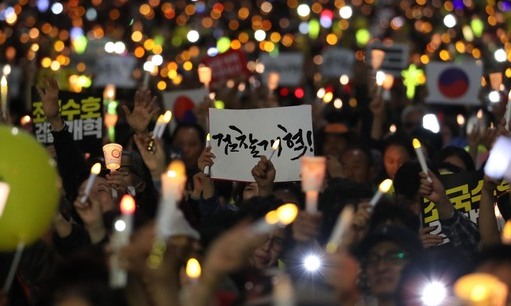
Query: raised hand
{"type": "Point", "coordinates": [264, 175]}
{"type": "Point", "coordinates": [429, 240]}
{"type": "Point", "coordinates": [49, 93]}
{"type": "Point", "coordinates": [145, 108]}
{"type": "Point", "coordinates": [206, 158]}
{"type": "Point", "coordinates": [154, 160]}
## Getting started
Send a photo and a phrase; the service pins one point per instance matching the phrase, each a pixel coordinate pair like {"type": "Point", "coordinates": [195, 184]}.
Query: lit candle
{"type": "Point", "coordinates": [460, 119]}
{"type": "Point", "coordinates": [94, 171]}
{"type": "Point", "coordinates": [208, 143]}
{"type": "Point", "coordinates": [498, 161]}
{"type": "Point", "coordinates": [313, 174]}
{"type": "Point", "coordinates": [3, 94]}
{"type": "Point", "coordinates": [109, 93]}
{"type": "Point", "coordinates": [25, 120]}
{"type": "Point", "coordinates": [420, 156]}
{"type": "Point", "coordinates": [481, 289]}
{"type": "Point", "coordinates": [148, 68]}
{"type": "Point", "coordinates": [387, 85]}
{"type": "Point", "coordinates": [380, 78]}
{"type": "Point", "coordinates": [4, 195]}
{"type": "Point", "coordinates": [274, 148]}
{"type": "Point", "coordinates": [193, 270]}
{"type": "Point", "coordinates": [273, 81]}
{"type": "Point", "coordinates": [204, 73]}
{"type": "Point", "coordinates": [163, 124]}
{"type": "Point", "coordinates": [342, 225]}
{"type": "Point", "coordinates": [282, 216]}
{"type": "Point", "coordinates": [157, 126]}
{"type": "Point", "coordinates": [384, 187]}
{"type": "Point", "coordinates": [123, 228]}
{"type": "Point", "coordinates": [173, 180]}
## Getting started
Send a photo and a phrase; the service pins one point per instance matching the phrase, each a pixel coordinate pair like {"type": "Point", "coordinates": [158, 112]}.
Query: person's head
{"type": "Point", "coordinates": [358, 165]}
{"type": "Point", "coordinates": [385, 252]}
{"type": "Point", "coordinates": [455, 156]}
{"type": "Point", "coordinates": [397, 149]}
{"type": "Point", "coordinates": [102, 193]}
{"type": "Point", "coordinates": [132, 168]}
{"type": "Point", "coordinates": [190, 139]}
{"type": "Point", "coordinates": [333, 139]}
{"type": "Point", "coordinates": [388, 212]}
{"type": "Point", "coordinates": [411, 118]}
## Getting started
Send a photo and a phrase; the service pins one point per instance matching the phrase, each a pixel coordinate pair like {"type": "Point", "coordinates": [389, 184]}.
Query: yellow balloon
{"type": "Point", "coordinates": [34, 187]}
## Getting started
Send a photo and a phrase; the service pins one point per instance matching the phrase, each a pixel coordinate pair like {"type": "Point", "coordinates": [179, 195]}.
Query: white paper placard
{"type": "Point", "coordinates": [240, 137]}
{"type": "Point", "coordinates": [115, 69]}
{"type": "Point", "coordinates": [289, 65]}
{"type": "Point", "coordinates": [336, 62]}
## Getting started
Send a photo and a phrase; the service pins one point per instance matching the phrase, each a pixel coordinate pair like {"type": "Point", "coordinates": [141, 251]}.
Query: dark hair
{"type": "Point", "coordinates": [399, 139]}
{"type": "Point", "coordinates": [200, 131]}
{"type": "Point", "coordinates": [367, 153]}
{"type": "Point", "coordinates": [449, 151]}
{"type": "Point", "coordinates": [387, 210]}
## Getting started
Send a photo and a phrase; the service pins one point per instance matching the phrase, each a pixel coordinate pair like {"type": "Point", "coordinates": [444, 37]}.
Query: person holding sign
{"type": "Point", "coordinates": [462, 233]}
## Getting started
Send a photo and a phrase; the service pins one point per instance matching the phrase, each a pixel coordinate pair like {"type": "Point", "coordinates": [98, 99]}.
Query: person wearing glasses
{"type": "Point", "coordinates": [384, 253]}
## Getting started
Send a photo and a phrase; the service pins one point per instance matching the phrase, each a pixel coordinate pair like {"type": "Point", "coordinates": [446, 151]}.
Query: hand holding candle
{"type": "Point", "coordinates": [282, 216]}
{"type": "Point", "coordinates": [193, 270]}
{"type": "Point", "coordinates": [161, 124]}
{"type": "Point", "coordinates": [95, 170]}
{"type": "Point", "coordinates": [420, 156]}
{"type": "Point", "coordinates": [113, 154]}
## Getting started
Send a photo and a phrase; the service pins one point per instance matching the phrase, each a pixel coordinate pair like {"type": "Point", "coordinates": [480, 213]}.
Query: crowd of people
{"type": "Point", "coordinates": [386, 256]}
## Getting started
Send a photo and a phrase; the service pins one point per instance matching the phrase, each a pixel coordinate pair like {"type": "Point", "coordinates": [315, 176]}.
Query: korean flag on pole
{"type": "Point", "coordinates": [453, 84]}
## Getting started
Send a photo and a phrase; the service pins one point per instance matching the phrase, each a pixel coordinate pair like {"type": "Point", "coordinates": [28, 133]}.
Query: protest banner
{"type": "Point", "coordinates": [453, 84]}
{"type": "Point", "coordinates": [82, 112]}
{"type": "Point", "coordinates": [240, 137]}
{"type": "Point", "coordinates": [464, 192]}
{"type": "Point", "coordinates": [289, 65]}
{"type": "Point", "coordinates": [336, 62]}
{"type": "Point", "coordinates": [116, 70]}
{"type": "Point", "coordinates": [396, 57]}
{"type": "Point", "coordinates": [229, 65]}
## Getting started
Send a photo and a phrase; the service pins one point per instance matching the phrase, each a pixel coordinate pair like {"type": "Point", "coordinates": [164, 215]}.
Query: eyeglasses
{"type": "Point", "coordinates": [275, 242]}
{"type": "Point", "coordinates": [393, 258]}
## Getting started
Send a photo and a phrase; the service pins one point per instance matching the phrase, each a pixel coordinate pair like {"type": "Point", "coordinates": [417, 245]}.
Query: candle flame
{"type": "Point", "coordinates": [193, 268]}
{"type": "Point", "coordinates": [377, 57]}
{"type": "Point", "coordinates": [276, 144]}
{"type": "Point", "coordinates": [392, 128]}
{"type": "Point", "coordinates": [25, 120]}
{"type": "Point", "coordinates": [388, 81]}
{"type": "Point", "coordinates": [4, 195]}
{"type": "Point", "coordinates": [176, 168]}
{"type": "Point", "coordinates": [271, 217]}
{"type": "Point", "coordinates": [208, 137]}
{"type": "Point", "coordinates": [96, 168]}
{"type": "Point", "coordinates": [167, 116]}
{"type": "Point", "coordinates": [109, 92]}
{"type": "Point", "coordinates": [506, 233]}
{"type": "Point", "coordinates": [460, 119]}
{"type": "Point", "coordinates": [127, 205]}
{"type": "Point", "coordinates": [416, 143]}
{"type": "Point", "coordinates": [479, 114]}
{"type": "Point", "coordinates": [287, 213]}
{"type": "Point", "coordinates": [3, 81]}
{"type": "Point", "coordinates": [160, 119]}
{"type": "Point", "coordinates": [380, 78]}
{"type": "Point", "coordinates": [149, 66]}
{"type": "Point", "coordinates": [385, 185]}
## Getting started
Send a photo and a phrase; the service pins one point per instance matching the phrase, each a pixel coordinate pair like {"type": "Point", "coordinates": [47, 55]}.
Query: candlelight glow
{"type": "Point", "coordinates": [416, 143]}
{"type": "Point", "coordinates": [96, 169]}
{"type": "Point", "coordinates": [482, 288]}
{"type": "Point", "coordinates": [460, 119]}
{"type": "Point", "coordinates": [167, 116]}
{"type": "Point", "coordinates": [388, 81]}
{"type": "Point", "coordinates": [25, 120]}
{"type": "Point", "coordinates": [380, 78]}
{"type": "Point", "coordinates": [385, 185]}
{"type": "Point", "coordinates": [287, 213]}
{"type": "Point", "coordinates": [127, 205]}
{"type": "Point", "coordinates": [208, 137]}
{"type": "Point", "coordinates": [275, 144]}
{"type": "Point", "coordinates": [204, 74]}
{"type": "Point", "coordinates": [193, 268]}
{"type": "Point", "coordinates": [177, 167]}
{"type": "Point", "coordinates": [272, 217]}
{"type": "Point", "coordinates": [479, 114]}
{"type": "Point", "coordinates": [109, 92]}
{"type": "Point", "coordinates": [377, 58]}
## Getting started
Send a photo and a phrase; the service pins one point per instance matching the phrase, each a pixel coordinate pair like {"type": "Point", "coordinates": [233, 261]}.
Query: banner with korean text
{"type": "Point", "coordinates": [464, 192]}
{"type": "Point", "coordinates": [240, 137]}
{"type": "Point", "coordinates": [82, 112]}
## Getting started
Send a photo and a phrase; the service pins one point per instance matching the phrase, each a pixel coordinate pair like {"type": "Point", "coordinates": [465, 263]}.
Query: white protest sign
{"type": "Point", "coordinates": [240, 137]}
{"type": "Point", "coordinates": [115, 69]}
{"type": "Point", "coordinates": [289, 65]}
{"type": "Point", "coordinates": [336, 62]}
{"type": "Point", "coordinates": [396, 57]}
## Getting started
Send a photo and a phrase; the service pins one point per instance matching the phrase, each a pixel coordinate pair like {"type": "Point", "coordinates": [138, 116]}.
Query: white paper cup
{"type": "Point", "coordinates": [113, 155]}
{"type": "Point", "coordinates": [313, 172]}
